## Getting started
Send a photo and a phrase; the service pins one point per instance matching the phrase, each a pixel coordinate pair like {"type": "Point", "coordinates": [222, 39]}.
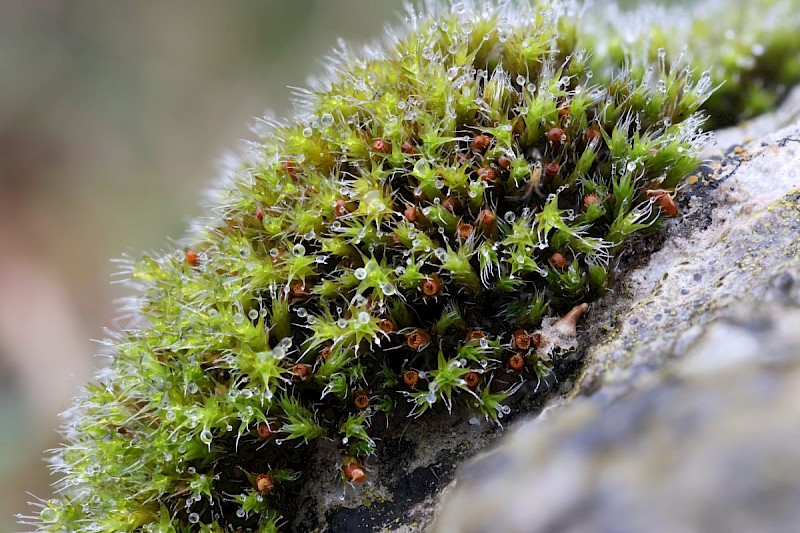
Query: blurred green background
{"type": "Point", "coordinates": [112, 114]}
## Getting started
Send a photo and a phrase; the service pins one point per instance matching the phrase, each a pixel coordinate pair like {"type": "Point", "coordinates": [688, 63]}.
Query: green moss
{"type": "Point", "coordinates": [379, 254]}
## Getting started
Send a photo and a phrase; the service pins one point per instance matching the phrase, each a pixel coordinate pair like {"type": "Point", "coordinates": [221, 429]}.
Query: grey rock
{"type": "Point", "coordinates": [712, 446]}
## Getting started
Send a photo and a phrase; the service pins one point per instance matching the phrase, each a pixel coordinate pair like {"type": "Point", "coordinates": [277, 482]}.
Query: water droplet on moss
{"type": "Point", "coordinates": [388, 289]}
{"type": "Point", "coordinates": [48, 515]}
{"type": "Point", "coordinates": [194, 518]}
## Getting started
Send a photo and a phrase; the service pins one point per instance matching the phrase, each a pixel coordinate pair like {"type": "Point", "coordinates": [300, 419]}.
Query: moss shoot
{"type": "Point", "coordinates": [395, 247]}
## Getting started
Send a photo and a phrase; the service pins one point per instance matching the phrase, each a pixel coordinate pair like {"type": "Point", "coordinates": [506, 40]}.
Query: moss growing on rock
{"type": "Point", "coordinates": [393, 248]}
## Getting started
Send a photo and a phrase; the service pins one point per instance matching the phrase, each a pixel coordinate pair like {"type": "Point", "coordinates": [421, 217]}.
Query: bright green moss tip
{"type": "Point", "coordinates": [404, 243]}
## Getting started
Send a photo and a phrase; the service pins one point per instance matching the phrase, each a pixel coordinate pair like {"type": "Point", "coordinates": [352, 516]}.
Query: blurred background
{"type": "Point", "coordinates": [112, 115]}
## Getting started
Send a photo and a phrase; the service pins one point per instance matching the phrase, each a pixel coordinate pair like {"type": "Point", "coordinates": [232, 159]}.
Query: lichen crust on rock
{"type": "Point", "coordinates": [427, 229]}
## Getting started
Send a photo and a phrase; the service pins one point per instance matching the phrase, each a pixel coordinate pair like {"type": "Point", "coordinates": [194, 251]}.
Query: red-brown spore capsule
{"type": "Point", "coordinates": [556, 135]}
{"type": "Point", "coordinates": [472, 379]}
{"type": "Point", "coordinates": [192, 259]}
{"type": "Point", "coordinates": [382, 147]}
{"type": "Point", "coordinates": [481, 142]}
{"type": "Point", "coordinates": [516, 363]}
{"type": "Point", "coordinates": [558, 261]}
{"type": "Point", "coordinates": [552, 169]}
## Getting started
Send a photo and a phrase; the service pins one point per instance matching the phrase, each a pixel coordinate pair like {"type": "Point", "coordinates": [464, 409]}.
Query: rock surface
{"type": "Point", "coordinates": [686, 416]}
{"type": "Point", "coordinates": [712, 446]}
{"type": "Point", "coordinates": [684, 371]}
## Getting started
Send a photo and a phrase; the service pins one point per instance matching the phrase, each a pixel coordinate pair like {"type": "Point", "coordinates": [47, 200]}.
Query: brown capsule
{"type": "Point", "coordinates": [487, 219]}
{"type": "Point", "coordinates": [568, 325]}
{"type": "Point", "coordinates": [301, 371]}
{"type": "Point", "coordinates": [536, 339]}
{"type": "Point", "coordinates": [556, 135]}
{"type": "Point", "coordinates": [589, 200]}
{"type": "Point", "coordinates": [516, 363]}
{"type": "Point", "coordinates": [504, 162]}
{"type": "Point", "coordinates": [432, 285]}
{"type": "Point", "coordinates": [487, 174]}
{"type": "Point", "coordinates": [557, 260]}
{"type": "Point", "coordinates": [472, 379]}
{"type": "Point", "coordinates": [522, 341]}
{"type": "Point", "coordinates": [382, 147]}
{"type": "Point", "coordinates": [264, 483]}
{"type": "Point", "coordinates": [326, 351]}
{"type": "Point", "coordinates": [340, 208]}
{"type": "Point", "coordinates": [592, 135]}
{"type": "Point", "coordinates": [418, 339]}
{"type": "Point", "coordinates": [259, 213]}
{"type": "Point", "coordinates": [387, 326]}
{"type": "Point", "coordinates": [192, 259]}
{"type": "Point", "coordinates": [563, 110]}
{"type": "Point", "coordinates": [298, 289]}
{"type": "Point", "coordinates": [665, 201]}
{"type": "Point", "coordinates": [410, 377]}
{"type": "Point", "coordinates": [353, 471]}
{"type": "Point", "coordinates": [475, 334]}
{"type": "Point", "coordinates": [290, 167]}
{"type": "Point", "coordinates": [407, 148]}
{"type": "Point", "coordinates": [264, 432]}
{"type": "Point", "coordinates": [361, 400]}
{"type": "Point", "coordinates": [481, 142]}
{"type": "Point", "coordinates": [519, 127]}
{"type": "Point", "coordinates": [412, 213]}
{"type": "Point", "coordinates": [451, 204]}
{"type": "Point", "coordinates": [551, 170]}
{"type": "Point", "coordinates": [465, 230]}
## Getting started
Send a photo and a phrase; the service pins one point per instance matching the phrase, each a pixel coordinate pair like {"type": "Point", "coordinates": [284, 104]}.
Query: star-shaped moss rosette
{"type": "Point", "coordinates": [393, 248]}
